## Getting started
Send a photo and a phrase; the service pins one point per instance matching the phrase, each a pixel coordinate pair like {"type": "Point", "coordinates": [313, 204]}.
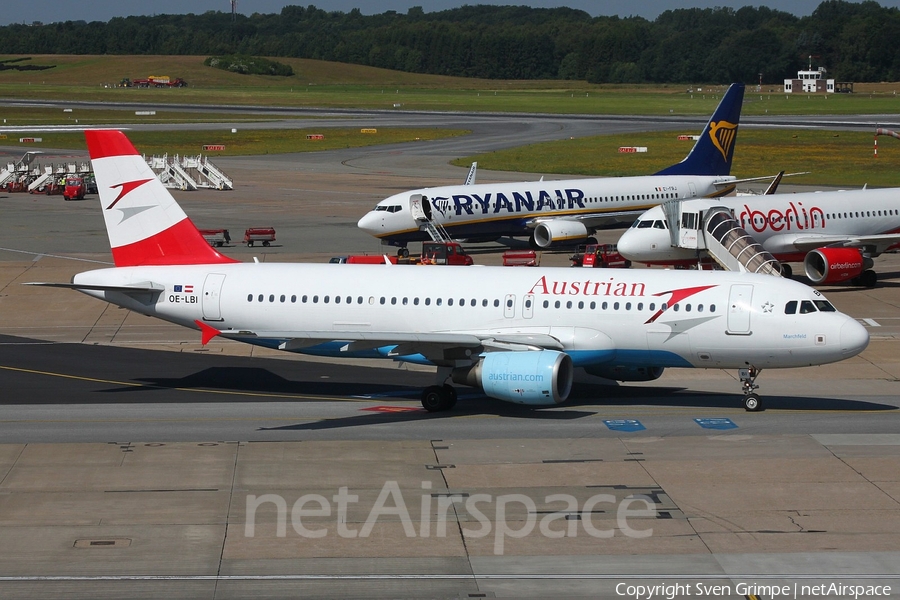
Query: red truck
{"type": "Point", "coordinates": [445, 253]}
{"type": "Point", "coordinates": [75, 188]}
{"type": "Point", "coordinates": [600, 255]}
{"type": "Point", "coordinates": [433, 253]}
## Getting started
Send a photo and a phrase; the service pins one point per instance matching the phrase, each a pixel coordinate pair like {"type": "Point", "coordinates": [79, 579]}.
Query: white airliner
{"type": "Point", "coordinates": [515, 333]}
{"type": "Point", "coordinates": [835, 234]}
{"type": "Point", "coordinates": [563, 211]}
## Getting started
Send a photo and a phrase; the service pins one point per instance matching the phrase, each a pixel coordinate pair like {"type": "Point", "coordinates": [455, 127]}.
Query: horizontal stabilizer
{"type": "Point", "coordinates": [144, 287]}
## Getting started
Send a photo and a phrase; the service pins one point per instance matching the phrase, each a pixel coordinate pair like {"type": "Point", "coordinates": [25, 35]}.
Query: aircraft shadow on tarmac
{"type": "Point", "coordinates": [584, 396]}
{"type": "Point", "coordinates": [263, 385]}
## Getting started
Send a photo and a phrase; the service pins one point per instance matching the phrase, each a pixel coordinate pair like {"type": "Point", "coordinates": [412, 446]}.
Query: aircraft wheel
{"type": "Point", "coordinates": [868, 278]}
{"type": "Point", "coordinates": [451, 393]}
{"type": "Point", "coordinates": [591, 240]}
{"type": "Point", "coordinates": [403, 252]}
{"type": "Point", "coordinates": [752, 403]}
{"type": "Point", "coordinates": [786, 271]}
{"type": "Point", "coordinates": [436, 398]}
{"type": "Point", "coordinates": [266, 244]}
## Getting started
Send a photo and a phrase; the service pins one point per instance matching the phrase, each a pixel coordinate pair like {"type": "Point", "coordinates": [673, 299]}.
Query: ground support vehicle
{"type": "Point", "coordinates": [216, 237]}
{"type": "Point", "coordinates": [599, 255]}
{"type": "Point", "coordinates": [445, 253]}
{"type": "Point", "coordinates": [521, 258]}
{"type": "Point", "coordinates": [75, 188]}
{"type": "Point", "coordinates": [266, 235]}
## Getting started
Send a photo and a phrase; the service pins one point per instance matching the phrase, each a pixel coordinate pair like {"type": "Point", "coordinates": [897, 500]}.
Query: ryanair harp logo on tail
{"type": "Point", "coordinates": [722, 135]}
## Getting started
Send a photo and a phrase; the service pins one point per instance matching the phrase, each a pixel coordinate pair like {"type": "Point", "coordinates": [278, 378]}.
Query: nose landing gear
{"type": "Point", "coordinates": [752, 401]}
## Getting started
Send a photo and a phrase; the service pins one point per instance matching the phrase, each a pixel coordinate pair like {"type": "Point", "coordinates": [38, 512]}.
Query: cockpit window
{"type": "Point", "coordinates": [645, 224]}
{"type": "Point", "coordinates": [659, 224]}
{"type": "Point", "coordinates": [394, 208]}
{"type": "Point", "coordinates": [790, 308]}
{"type": "Point", "coordinates": [380, 208]}
{"type": "Point", "coordinates": [824, 306]}
{"type": "Point", "coordinates": [807, 307]}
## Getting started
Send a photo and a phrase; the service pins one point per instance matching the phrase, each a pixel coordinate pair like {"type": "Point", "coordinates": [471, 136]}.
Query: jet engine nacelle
{"type": "Point", "coordinates": [537, 378]}
{"type": "Point", "coordinates": [559, 230]}
{"type": "Point", "coordinates": [625, 373]}
{"type": "Point", "coordinates": [834, 265]}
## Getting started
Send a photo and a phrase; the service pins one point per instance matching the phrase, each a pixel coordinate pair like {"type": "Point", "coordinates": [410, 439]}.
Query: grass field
{"type": "Point", "coordinates": [833, 158]}
{"type": "Point", "coordinates": [319, 83]}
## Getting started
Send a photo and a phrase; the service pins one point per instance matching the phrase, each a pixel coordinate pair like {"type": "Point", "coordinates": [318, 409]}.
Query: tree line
{"type": "Point", "coordinates": [855, 41]}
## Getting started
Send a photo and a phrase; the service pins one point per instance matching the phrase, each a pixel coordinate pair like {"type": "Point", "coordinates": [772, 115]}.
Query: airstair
{"type": "Point", "coordinates": [715, 230]}
{"type": "Point", "coordinates": [46, 177]}
{"type": "Point", "coordinates": [420, 208]}
{"type": "Point", "coordinates": [189, 173]}
{"type": "Point", "coordinates": [213, 174]}
{"type": "Point", "coordinates": [15, 171]}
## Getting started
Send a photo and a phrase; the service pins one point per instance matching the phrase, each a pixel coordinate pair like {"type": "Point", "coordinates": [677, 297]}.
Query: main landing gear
{"type": "Point", "coordinates": [752, 401]}
{"type": "Point", "coordinates": [437, 398]}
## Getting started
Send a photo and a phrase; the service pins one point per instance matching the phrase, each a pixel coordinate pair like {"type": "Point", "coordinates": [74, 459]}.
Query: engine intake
{"type": "Point", "coordinates": [536, 378]}
{"type": "Point", "coordinates": [559, 230]}
{"type": "Point", "coordinates": [834, 265]}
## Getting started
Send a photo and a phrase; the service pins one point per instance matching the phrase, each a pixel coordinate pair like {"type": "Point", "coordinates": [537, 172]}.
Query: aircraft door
{"type": "Point", "coordinates": [528, 306]}
{"type": "Point", "coordinates": [509, 306]}
{"type": "Point", "coordinates": [739, 308]}
{"type": "Point", "coordinates": [212, 297]}
{"type": "Point", "coordinates": [420, 207]}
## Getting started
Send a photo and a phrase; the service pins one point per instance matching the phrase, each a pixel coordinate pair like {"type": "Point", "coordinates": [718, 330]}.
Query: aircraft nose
{"type": "Point", "coordinates": [629, 247]}
{"type": "Point", "coordinates": [371, 222]}
{"type": "Point", "coordinates": [854, 338]}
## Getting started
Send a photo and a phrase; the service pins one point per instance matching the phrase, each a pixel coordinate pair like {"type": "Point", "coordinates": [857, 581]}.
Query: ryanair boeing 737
{"type": "Point", "coordinates": [564, 211]}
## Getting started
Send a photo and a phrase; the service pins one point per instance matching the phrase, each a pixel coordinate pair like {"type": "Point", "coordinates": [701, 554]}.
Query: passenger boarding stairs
{"type": "Point", "coordinates": [19, 169]}
{"type": "Point", "coordinates": [715, 230]}
{"type": "Point", "coordinates": [420, 208]}
{"type": "Point", "coordinates": [189, 173]}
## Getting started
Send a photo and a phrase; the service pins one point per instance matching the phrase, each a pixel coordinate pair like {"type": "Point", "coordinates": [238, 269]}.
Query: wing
{"type": "Point", "coordinates": [442, 349]}
{"type": "Point", "coordinates": [597, 220]}
{"type": "Point", "coordinates": [874, 244]}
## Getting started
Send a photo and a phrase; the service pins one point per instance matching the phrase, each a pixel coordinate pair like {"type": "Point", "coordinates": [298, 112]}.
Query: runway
{"type": "Point", "coordinates": [131, 456]}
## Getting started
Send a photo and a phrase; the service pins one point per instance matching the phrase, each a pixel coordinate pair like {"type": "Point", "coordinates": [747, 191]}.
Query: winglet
{"type": "Point", "coordinates": [207, 332]}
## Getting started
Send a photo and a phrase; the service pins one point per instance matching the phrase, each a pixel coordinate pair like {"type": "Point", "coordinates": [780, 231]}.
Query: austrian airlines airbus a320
{"type": "Point", "coordinates": [516, 333]}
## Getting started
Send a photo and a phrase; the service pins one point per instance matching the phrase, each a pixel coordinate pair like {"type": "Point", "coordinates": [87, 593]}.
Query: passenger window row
{"type": "Point", "coordinates": [405, 301]}
{"type": "Point", "coordinates": [665, 196]}
{"type": "Point", "coordinates": [638, 306]}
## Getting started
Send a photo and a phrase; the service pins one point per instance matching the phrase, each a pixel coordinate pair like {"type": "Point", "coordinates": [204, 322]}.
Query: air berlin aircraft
{"type": "Point", "coordinates": [515, 333]}
{"type": "Point", "coordinates": [834, 234]}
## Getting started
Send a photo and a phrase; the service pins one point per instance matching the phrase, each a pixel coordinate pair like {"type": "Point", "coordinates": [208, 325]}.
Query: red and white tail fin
{"type": "Point", "coordinates": [144, 222]}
